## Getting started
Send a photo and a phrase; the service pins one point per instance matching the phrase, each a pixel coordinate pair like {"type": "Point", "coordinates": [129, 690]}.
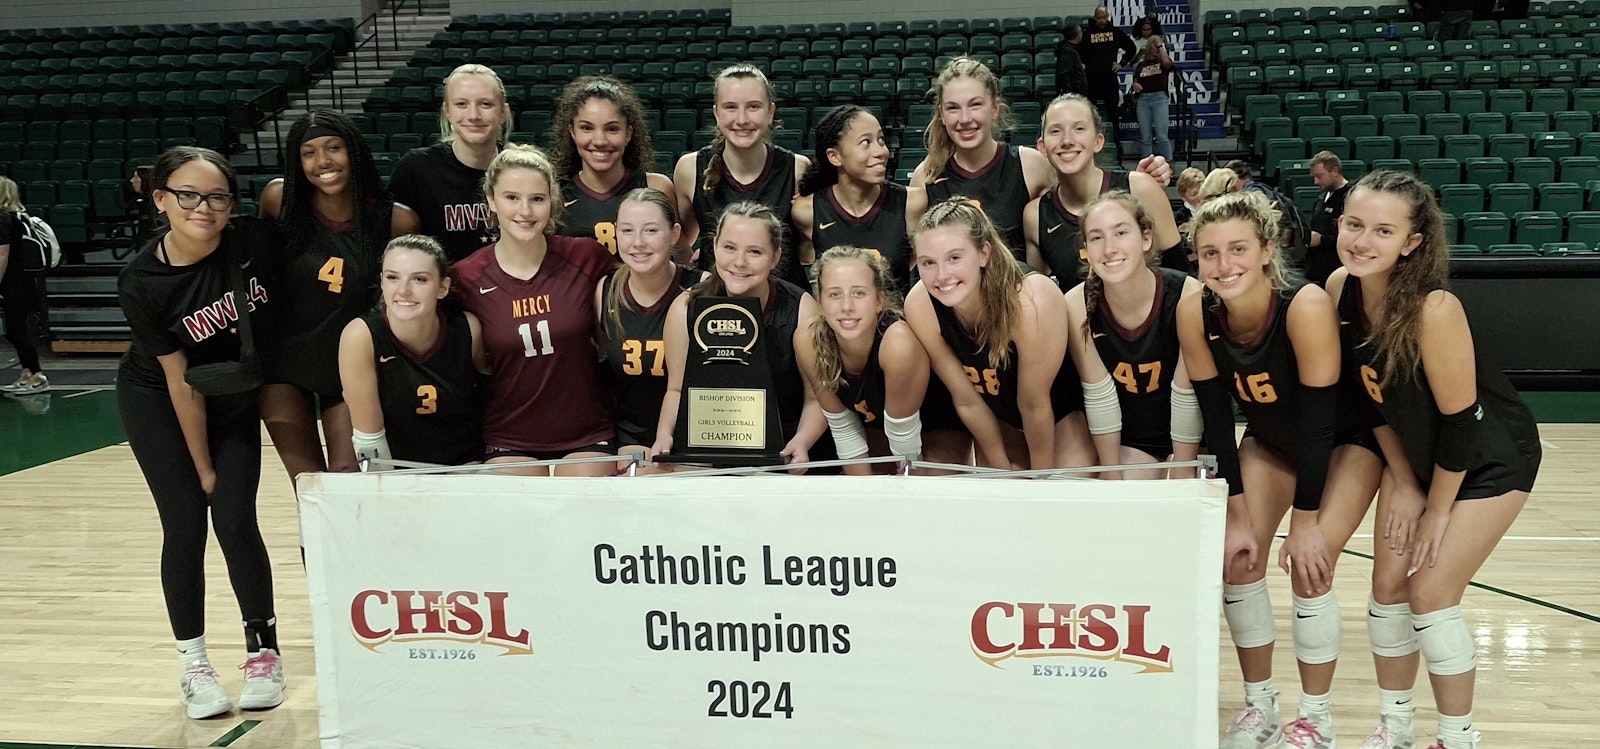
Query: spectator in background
{"type": "Point", "coordinates": [1151, 73]}
{"type": "Point", "coordinates": [1454, 16]}
{"type": "Point", "coordinates": [1105, 50]}
{"type": "Point", "coordinates": [1322, 257]}
{"type": "Point", "coordinates": [1143, 29]}
{"type": "Point", "coordinates": [1219, 182]}
{"type": "Point", "coordinates": [20, 301]}
{"type": "Point", "coordinates": [1189, 191]}
{"type": "Point", "coordinates": [1070, 77]}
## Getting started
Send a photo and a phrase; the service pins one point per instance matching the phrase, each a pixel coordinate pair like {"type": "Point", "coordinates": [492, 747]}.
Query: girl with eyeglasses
{"type": "Point", "coordinates": [201, 455]}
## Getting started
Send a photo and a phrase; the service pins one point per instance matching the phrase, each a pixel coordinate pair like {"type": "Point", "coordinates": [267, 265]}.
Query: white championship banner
{"type": "Point", "coordinates": [773, 611]}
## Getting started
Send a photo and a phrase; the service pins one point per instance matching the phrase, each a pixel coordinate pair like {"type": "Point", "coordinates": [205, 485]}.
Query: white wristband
{"type": "Point", "coordinates": [1101, 408]}
{"type": "Point", "coordinates": [905, 435]}
{"type": "Point", "coordinates": [849, 437]}
{"type": "Point", "coordinates": [370, 445]}
{"type": "Point", "coordinates": [1187, 424]}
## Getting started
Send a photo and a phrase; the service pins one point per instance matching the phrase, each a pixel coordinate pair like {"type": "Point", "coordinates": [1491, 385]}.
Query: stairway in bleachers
{"type": "Point", "coordinates": [1187, 51]}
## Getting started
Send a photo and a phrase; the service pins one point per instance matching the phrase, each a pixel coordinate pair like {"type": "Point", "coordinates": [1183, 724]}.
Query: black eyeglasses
{"type": "Point", "coordinates": [189, 200]}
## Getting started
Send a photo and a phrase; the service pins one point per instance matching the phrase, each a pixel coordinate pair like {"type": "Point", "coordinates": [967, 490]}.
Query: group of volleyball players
{"type": "Point", "coordinates": [1015, 307]}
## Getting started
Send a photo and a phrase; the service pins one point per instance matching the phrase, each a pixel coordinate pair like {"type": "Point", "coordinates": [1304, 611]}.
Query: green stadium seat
{"type": "Point", "coordinates": [1354, 169]}
{"type": "Point", "coordinates": [1508, 101]}
{"type": "Point", "coordinates": [1511, 197]}
{"type": "Point", "coordinates": [1425, 103]}
{"type": "Point", "coordinates": [1280, 149]}
{"type": "Point", "coordinates": [1311, 51]}
{"type": "Point", "coordinates": [1487, 171]}
{"type": "Point", "coordinates": [1406, 76]}
{"type": "Point", "coordinates": [1268, 128]}
{"type": "Point", "coordinates": [1485, 229]}
{"type": "Point", "coordinates": [1294, 174]}
{"type": "Point", "coordinates": [1342, 103]}
{"type": "Point", "coordinates": [1554, 145]}
{"type": "Point", "coordinates": [1463, 147]}
{"type": "Point", "coordinates": [1537, 227]}
{"type": "Point", "coordinates": [1374, 147]}
{"type": "Point", "coordinates": [1315, 126]}
{"type": "Point", "coordinates": [71, 223]}
{"type": "Point", "coordinates": [1257, 106]}
{"type": "Point", "coordinates": [1444, 124]}
{"type": "Point", "coordinates": [1400, 125]}
{"type": "Point", "coordinates": [1487, 124]}
{"type": "Point", "coordinates": [1572, 123]}
{"type": "Point", "coordinates": [1560, 198]}
{"type": "Point", "coordinates": [1363, 76]}
{"type": "Point", "coordinates": [1395, 165]}
{"type": "Point", "coordinates": [1357, 126]}
{"type": "Point", "coordinates": [1584, 226]}
{"type": "Point", "coordinates": [1589, 144]}
{"type": "Point", "coordinates": [1274, 53]}
{"type": "Point", "coordinates": [1323, 76]}
{"type": "Point", "coordinates": [1347, 51]}
{"type": "Point", "coordinates": [1461, 199]}
{"type": "Point", "coordinates": [1529, 123]}
{"type": "Point", "coordinates": [1510, 249]}
{"type": "Point", "coordinates": [1337, 146]}
{"type": "Point", "coordinates": [1587, 99]}
{"type": "Point", "coordinates": [1302, 104]}
{"type": "Point", "coordinates": [1483, 75]}
{"type": "Point", "coordinates": [1418, 147]}
{"type": "Point", "coordinates": [1562, 249]}
{"type": "Point", "coordinates": [1579, 169]}
{"type": "Point", "coordinates": [1382, 103]}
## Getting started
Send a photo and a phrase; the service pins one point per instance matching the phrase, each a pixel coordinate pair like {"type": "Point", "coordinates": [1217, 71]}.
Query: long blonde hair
{"type": "Point", "coordinates": [719, 142]}
{"type": "Point", "coordinates": [616, 297]}
{"type": "Point", "coordinates": [1219, 182]}
{"type": "Point", "coordinates": [713, 285]}
{"type": "Point", "coordinates": [1255, 209]}
{"type": "Point", "coordinates": [940, 147]}
{"type": "Point", "coordinates": [521, 156]}
{"type": "Point", "coordinates": [1413, 278]}
{"type": "Point", "coordinates": [999, 313]}
{"type": "Point", "coordinates": [829, 370]}
{"type": "Point", "coordinates": [446, 134]}
{"type": "Point", "coordinates": [1093, 286]}
{"type": "Point", "coordinates": [10, 198]}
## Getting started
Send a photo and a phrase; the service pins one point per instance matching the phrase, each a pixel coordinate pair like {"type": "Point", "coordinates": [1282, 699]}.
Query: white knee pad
{"type": "Point", "coordinates": [1317, 629]}
{"type": "Point", "coordinates": [1389, 628]}
{"type": "Point", "coordinates": [1447, 646]}
{"type": "Point", "coordinates": [1249, 614]}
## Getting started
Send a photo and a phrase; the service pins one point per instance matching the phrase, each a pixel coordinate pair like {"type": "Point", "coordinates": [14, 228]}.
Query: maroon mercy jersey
{"type": "Point", "coordinates": [545, 392]}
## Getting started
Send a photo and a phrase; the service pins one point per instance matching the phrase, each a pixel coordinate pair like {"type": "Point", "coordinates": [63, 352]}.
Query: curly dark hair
{"type": "Point", "coordinates": [640, 153]}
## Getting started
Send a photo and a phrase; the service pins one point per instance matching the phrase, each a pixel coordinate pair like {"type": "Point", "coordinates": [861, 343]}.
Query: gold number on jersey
{"type": "Point", "coordinates": [545, 347]}
{"type": "Point", "coordinates": [1369, 378]}
{"type": "Point", "coordinates": [634, 350]}
{"type": "Point", "coordinates": [332, 273]}
{"type": "Point", "coordinates": [986, 381]}
{"type": "Point", "coordinates": [1124, 374]}
{"type": "Point", "coordinates": [867, 417]}
{"type": "Point", "coordinates": [1256, 388]}
{"type": "Point", "coordinates": [605, 233]}
{"type": "Point", "coordinates": [430, 399]}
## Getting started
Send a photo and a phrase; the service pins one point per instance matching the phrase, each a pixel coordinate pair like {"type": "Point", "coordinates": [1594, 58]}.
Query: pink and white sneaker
{"type": "Point", "coordinates": [263, 681]}
{"type": "Point", "coordinates": [1304, 734]}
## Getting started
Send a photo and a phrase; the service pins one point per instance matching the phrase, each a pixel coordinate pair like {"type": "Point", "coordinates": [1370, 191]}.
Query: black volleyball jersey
{"type": "Point", "coordinates": [865, 392]}
{"type": "Point", "coordinates": [1000, 187]}
{"type": "Point", "coordinates": [432, 401]}
{"type": "Point", "coordinates": [447, 196]}
{"type": "Point", "coordinates": [586, 213]}
{"type": "Point", "coordinates": [1508, 451]}
{"type": "Point", "coordinates": [194, 308]}
{"type": "Point", "coordinates": [1060, 231]}
{"type": "Point", "coordinates": [782, 320]}
{"type": "Point", "coordinates": [325, 285]}
{"type": "Point", "coordinates": [774, 188]}
{"type": "Point", "coordinates": [882, 229]}
{"type": "Point", "coordinates": [1142, 361]}
{"type": "Point", "coordinates": [998, 386]}
{"type": "Point", "coordinates": [636, 358]}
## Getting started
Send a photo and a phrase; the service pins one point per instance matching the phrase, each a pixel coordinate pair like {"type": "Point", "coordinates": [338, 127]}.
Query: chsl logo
{"type": "Point", "coordinates": [1096, 631]}
{"type": "Point", "coordinates": [379, 617]}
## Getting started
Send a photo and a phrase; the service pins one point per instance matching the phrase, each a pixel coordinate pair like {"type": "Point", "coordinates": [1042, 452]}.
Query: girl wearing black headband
{"type": "Point", "coordinates": [337, 217]}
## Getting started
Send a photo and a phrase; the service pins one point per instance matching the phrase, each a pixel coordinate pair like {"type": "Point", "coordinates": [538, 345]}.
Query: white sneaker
{"type": "Point", "coordinates": [1304, 734]}
{"type": "Point", "coordinates": [1391, 734]}
{"type": "Point", "coordinates": [38, 384]}
{"type": "Point", "coordinates": [200, 693]}
{"type": "Point", "coordinates": [1252, 728]}
{"type": "Point", "coordinates": [263, 681]}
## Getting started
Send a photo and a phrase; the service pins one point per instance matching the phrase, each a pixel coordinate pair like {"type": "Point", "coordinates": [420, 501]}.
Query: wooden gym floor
{"type": "Point", "coordinates": [86, 657]}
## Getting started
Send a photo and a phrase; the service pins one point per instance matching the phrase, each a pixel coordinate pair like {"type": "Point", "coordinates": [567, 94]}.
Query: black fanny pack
{"type": "Point", "coordinates": [232, 377]}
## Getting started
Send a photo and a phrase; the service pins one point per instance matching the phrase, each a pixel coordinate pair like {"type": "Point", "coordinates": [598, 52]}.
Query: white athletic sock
{"type": "Point", "coordinates": [1317, 708]}
{"type": "Point", "coordinates": [190, 651]}
{"type": "Point", "coordinates": [1455, 731]}
{"type": "Point", "coordinates": [1396, 705]}
{"type": "Point", "coordinates": [1261, 694]}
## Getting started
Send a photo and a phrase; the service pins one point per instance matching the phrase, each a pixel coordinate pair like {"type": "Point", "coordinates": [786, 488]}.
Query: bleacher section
{"type": "Point", "coordinates": [1501, 124]}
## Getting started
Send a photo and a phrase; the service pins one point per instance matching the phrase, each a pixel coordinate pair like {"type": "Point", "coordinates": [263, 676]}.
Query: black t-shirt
{"type": "Point", "coordinates": [586, 213]}
{"type": "Point", "coordinates": [447, 196]}
{"type": "Point", "coordinates": [9, 236]}
{"type": "Point", "coordinates": [1000, 187]}
{"type": "Point", "coordinates": [882, 229]}
{"type": "Point", "coordinates": [432, 401]}
{"type": "Point", "coordinates": [192, 308]}
{"type": "Point", "coordinates": [1060, 231]}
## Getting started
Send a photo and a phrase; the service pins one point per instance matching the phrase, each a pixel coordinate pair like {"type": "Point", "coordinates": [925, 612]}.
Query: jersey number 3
{"type": "Point", "coordinates": [430, 400]}
{"type": "Point", "coordinates": [634, 350]}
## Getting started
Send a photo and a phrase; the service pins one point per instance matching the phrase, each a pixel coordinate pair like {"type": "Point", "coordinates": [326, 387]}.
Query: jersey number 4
{"type": "Point", "coordinates": [544, 346]}
{"type": "Point", "coordinates": [634, 350]}
{"type": "Point", "coordinates": [988, 381]}
{"type": "Point", "coordinates": [332, 273]}
{"type": "Point", "coordinates": [1124, 374]}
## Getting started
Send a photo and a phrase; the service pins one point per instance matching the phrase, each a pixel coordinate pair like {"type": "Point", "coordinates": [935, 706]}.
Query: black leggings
{"type": "Point", "coordinates": [21, 292]}
{"type": "Point", "coordinates": [234, 433]}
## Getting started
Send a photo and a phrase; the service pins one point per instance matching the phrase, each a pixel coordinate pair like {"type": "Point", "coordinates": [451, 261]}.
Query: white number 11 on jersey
{"type": "Point", "coordinates": [528, 347]}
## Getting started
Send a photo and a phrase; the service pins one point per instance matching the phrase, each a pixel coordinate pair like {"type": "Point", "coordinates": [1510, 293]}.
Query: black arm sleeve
{"type": "Point", "coordinates": [1176, 257]}
{"type": "Point", "coordinates": [1316, 445]}
{"type": "Point", "coordinates": [1217, 411]}
{"type": "Point", "coordinates": [1458, 439]}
